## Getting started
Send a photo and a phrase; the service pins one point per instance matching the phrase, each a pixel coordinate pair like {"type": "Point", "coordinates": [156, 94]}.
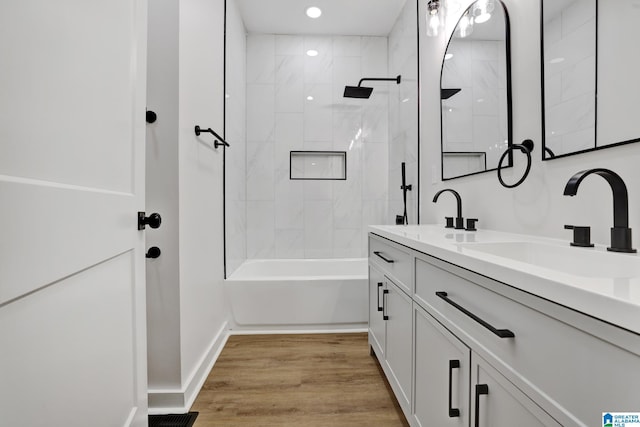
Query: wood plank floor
{"type": "Point", "coordinates": [297, 380]}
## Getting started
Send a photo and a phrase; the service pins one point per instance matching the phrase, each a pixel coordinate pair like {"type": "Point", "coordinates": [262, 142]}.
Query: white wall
{"type": "Point", "coordinates": [314, 219]}
{"type": "Point", "coordinates": [537, 206]}
{"type": "Point", "coordinates": [188, 314]}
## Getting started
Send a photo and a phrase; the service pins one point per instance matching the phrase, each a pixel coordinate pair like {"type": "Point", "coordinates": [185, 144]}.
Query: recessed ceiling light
{"type": "Point", "coordinates": [480, 19]}
{"type": "Point", "coordinates": [314, 12]}
{"type": "Point", "coordinates": [556, 60]}
{"type": "Point", "coordinates": [309, 98]}
{"type": "Point", "coordinates": [448, 56]}
{"type": "Point", "coordinates": [312, 52]}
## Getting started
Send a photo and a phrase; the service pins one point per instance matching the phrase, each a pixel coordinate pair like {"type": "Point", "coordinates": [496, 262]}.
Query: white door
{"type": "Point", "coordinates": [72, 299]}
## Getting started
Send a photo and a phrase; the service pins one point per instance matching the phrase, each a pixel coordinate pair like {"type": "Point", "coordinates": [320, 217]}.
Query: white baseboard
{"type": "Point", "coordinates": [266, 331]}
{"type": "Point", "coordinates": [178, 401]}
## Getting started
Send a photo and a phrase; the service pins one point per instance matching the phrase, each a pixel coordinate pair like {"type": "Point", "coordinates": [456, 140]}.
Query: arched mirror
{"type": "Point", "coordinates": [476, 91]}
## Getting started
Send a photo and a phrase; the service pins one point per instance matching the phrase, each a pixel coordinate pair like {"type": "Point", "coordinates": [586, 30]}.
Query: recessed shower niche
{"type": "Point", "coordinates": [285, 80]}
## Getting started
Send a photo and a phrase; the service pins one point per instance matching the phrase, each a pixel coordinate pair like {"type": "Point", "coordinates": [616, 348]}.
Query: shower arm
{"type": "Point", "coordinates": [379, 79]}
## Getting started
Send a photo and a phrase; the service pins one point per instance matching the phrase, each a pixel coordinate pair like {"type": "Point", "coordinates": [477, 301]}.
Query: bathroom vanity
{"type": "Point", "coordinates": [491, 329]}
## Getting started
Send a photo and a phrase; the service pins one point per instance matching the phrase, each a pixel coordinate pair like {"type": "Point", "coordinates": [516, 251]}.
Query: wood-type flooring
{"type": "Point", "coordinates": [327, 380]}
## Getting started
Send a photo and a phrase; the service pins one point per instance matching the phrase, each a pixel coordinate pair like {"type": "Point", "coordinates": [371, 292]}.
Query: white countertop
{"type": "Point", "coordinates": [613, 299]}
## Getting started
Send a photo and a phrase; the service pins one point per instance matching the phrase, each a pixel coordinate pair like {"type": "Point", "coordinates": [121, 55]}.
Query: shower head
{"type": "Point", "coordinates": [357, 91]}
{"type": "Point", "coordinates": [365, 92]}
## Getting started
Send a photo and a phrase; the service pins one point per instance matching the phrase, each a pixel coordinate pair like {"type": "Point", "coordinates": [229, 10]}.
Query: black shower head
{"type": "Point", "coordinates": [357, 92]}
{"type": "Point", "coordinates": [365, 92]}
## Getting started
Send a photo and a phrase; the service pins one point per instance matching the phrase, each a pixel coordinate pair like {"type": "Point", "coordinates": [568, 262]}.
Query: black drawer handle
{"type": "Point", "coordinates": [502, 333]}
{"type": "Point", "coordinates": [379, 286]}
{"type": "Point", "coordinates": [384, 305]}
{"type": "Point", "coordinates": [390, 261]}
{"type": "Point", "coordinates": [480, 389]}
{"type": "Point", "coordinates": [453, 412]}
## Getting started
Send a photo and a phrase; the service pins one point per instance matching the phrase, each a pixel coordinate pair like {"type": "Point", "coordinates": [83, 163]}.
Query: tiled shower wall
{"type": "Point", "coordinates": [403, 112]}
{"type": "Point", "coordinates": [295, 102]}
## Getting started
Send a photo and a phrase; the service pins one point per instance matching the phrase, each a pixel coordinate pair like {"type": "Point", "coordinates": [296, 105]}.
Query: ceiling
{"type": "Point", "coordinates": [339, 17]}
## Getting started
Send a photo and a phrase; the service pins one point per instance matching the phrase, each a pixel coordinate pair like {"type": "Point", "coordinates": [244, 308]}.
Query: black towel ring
{"type": "Point", "coordinates": [526, 147]}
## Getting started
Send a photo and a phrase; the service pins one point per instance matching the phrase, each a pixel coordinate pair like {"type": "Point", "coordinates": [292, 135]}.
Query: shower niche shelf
{"type": "Point", "coordinates": [318, 165]}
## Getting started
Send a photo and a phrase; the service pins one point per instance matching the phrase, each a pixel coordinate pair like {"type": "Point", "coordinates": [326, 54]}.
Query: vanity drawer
{"type": "Point", "coordinates": [394, 262]}
{"type": "Point", "coordinates": [574, 373]}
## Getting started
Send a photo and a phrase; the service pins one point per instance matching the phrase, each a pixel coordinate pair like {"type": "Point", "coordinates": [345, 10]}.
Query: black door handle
{"type": "Point", "coordinates": [154, 220]}
{"type": "Point", "coordinates": [480, 390]}
{"type": "Point", "coordinates": [384, 305]}
{"type": "Point", "coordinates": [379, 286]}
{"type": "Point", "coordinates": [502, 333]}
{"type": "Point", "coordinates": [153, 252]}
{"type": "Point", "coordinates": [453, 412]}
{"type": "Point", "coordinates": [390, 261]}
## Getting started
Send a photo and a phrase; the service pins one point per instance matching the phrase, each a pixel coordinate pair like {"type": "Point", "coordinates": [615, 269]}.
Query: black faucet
{"type": "Point", "coordinates": [620, 232]}
{"type": "Point", "coordinates": [459, 220]}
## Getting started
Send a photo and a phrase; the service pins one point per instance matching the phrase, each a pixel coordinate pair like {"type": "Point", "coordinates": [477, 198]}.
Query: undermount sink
{"type": "Point", "coordinates": [585, 262]}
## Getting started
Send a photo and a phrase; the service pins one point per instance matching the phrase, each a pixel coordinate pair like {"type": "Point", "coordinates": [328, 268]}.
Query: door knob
{"type": "Point", "coordinates": [154, 220]}
{"type": "Point", "coordinates": [153, 252]}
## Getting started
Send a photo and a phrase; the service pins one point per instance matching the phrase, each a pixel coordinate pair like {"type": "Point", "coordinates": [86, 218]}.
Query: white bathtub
{"type": "Point", "coordinates": [297, 294]}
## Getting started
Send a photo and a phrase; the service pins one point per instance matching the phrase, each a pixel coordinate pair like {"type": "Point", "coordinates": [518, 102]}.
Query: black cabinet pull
{"type": "Point", "coordinates": [502, 333]}
{"type": "Point", "coordinates": [384, 305]}
{"type": "Point", "coordinates": [379, 286]}
{"type": "Point", "coordinates": [390, 261]}
{"type": "Point", "coordinates": [480, 389]}
{"type": "Point", "coordinates": [453, 412]}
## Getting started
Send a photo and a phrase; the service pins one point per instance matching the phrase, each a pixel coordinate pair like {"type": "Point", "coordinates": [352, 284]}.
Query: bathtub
{"type": "Point", "coordinates": [325, 294]}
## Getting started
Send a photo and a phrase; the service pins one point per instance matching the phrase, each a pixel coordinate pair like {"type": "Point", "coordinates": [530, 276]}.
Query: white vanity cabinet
{"type": "Point", "coordinates": [454, 384]}
{"type": "Point", "coordinates": [484, 353]}
{"type": "Point", "coordinates": [390, 318]}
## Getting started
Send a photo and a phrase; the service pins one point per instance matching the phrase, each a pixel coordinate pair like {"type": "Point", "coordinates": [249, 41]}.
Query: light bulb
{"type": "Point", "coordinates": [314, 12]}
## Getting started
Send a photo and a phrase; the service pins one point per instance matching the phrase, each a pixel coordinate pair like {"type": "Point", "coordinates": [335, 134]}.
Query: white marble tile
{"type": "Point", "coordinates": [375, 171]}
{"type": "Point", "coordinates": [318, 69]}
{"type": "Point", "coordinates": [287, 189]}
{"type": "Point", "coordinates": [347, 127]}
{"type": "Point", "coordinates": [347, 204]}
{"type": "Point", "coordinates": [485, 74]}
{"type": "Point", "coordinates": [289, 137]}
{"type": "Point", "coordinates": [484, 101]}
{"type": "Point", "coordinates": [552, 31]}
{"type": "Point", "coordinates": [579, 79]}
{"type": "Point", "coordinates": [347, 243]}
{"type": "Point", "coordinates": [346, 46]}
{"type": "Point", "coordinates": [260, 229]}
{"type": "Point", "coordinates": [318, 229]}
{"type": "Point", "coordinates": [485, 50]}
{"type": "Point", "coordinates": [575, 141]}
{"type": "Point", "coordinates": [318, 115]}
{"type": "Point", "coordinates": [290, 214]}
{"type": "Point", "coordinates": [577, 14]}
{"type": "Point", "coordinates": [260, 58]}
{"type": "Point", "coordinates": [571, 116]}
{"type": "Point", "coordinates": [457, 70]}
{"type": "Point", "coordinates": [457, 118]}
{"type": "Point", "coordinates": [374, 57]}
{"type": "Point", "coordinates": [315, 190]}
{"type": "Point", "coordinates": [552, 90]}
{"type": "Point", "coordinates": [260, 171]}
{"type": "Point", "coordinates": [289, 244]}
{"type": "Point", "coordinates": [289, 45]}
{"type": "Point", "coordinates": [260, 112]}
{"type": "Point", "coordinates": [375, 123]}
{"type": "Point", "coordinates": [289, 95]}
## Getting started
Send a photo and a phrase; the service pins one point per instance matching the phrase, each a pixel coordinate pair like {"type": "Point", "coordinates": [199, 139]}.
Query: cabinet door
{"type": "Point", "coordinates": [498, 403]}
{"type": "Point", "coordinates": [398, 312]}
{"type": "Point", "coordinates": [442, 366]}
{"type": "Point", "coordinates": [377, 324]}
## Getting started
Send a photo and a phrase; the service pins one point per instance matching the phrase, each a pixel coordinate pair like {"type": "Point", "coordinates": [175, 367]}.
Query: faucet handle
{"type": "Point", "coordinates": [449, 220]}
{"type": "Point", "coordinates": [471, 224]}
{"type": "Point", "coordinates": [581, 235]}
